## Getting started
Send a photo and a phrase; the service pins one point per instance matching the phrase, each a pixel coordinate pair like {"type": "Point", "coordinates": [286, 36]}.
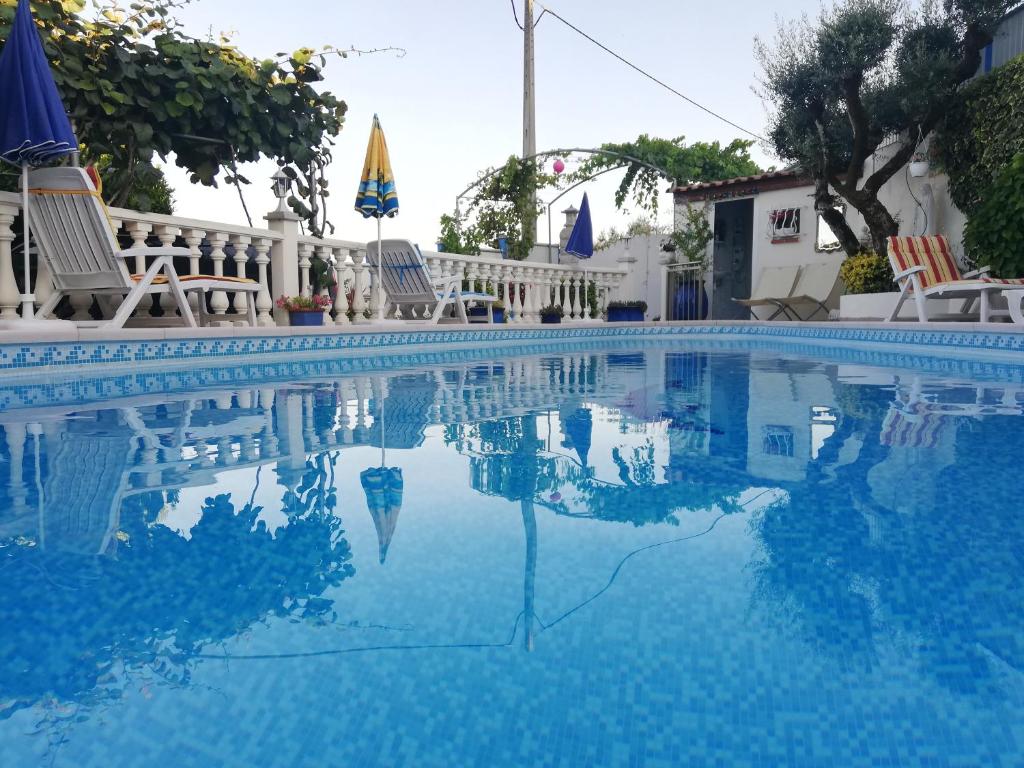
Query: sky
{"type": "Point", "coordinates": [452, 105]}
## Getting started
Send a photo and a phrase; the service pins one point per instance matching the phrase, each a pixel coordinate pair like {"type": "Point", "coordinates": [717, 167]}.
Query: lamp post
{"type": "Point", "coordinates": [281, 184]}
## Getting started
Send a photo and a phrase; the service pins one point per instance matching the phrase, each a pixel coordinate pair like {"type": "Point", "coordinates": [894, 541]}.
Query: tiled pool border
{"type": "Point", "coordinates": [137, 347]}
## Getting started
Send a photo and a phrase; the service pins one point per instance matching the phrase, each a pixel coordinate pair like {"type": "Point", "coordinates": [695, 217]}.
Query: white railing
{"type": "Point", "coordinates": [280, 258]}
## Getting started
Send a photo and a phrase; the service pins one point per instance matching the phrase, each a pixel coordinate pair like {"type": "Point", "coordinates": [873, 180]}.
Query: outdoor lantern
{"type": "Point", "coordinates": [281, 184]}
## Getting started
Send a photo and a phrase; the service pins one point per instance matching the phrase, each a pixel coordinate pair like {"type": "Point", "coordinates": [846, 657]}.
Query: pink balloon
{"type": "Point", "coordinates": [559, 165]}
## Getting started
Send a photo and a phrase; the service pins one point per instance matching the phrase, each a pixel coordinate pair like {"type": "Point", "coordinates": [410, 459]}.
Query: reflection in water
{"type": "Point", "coordinates": [867, 531]}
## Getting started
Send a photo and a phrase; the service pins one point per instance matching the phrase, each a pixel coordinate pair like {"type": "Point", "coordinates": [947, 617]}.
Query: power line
{"type": "Point", "coordinates": [647, 74]}
{"type": "Point", "coordinates": [515, 15]}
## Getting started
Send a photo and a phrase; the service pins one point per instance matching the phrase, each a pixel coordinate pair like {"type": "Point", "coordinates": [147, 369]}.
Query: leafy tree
{"type": "Point", "coordinates": [137, 86]}
{"type": "Point", "coordinates": [675, 160]}
{"type": "Point", "coordinates": [641, 226]}
{"type": "Point", "coordinates": [868, 71]}
{"type": "Point", "coordinates": [505, 203]}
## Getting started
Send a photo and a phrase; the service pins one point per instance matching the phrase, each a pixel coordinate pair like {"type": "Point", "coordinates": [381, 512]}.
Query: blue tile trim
{"type": "Point", "coordinates": [79, 355]}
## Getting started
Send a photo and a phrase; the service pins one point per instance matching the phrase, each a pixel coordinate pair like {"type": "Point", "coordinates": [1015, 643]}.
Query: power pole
{"type": "Point", "coordinates": [529, 111]}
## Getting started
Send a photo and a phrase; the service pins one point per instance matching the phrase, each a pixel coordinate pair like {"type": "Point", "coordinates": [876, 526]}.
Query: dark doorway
{"type": "Point", "coordinates": [734, 244]}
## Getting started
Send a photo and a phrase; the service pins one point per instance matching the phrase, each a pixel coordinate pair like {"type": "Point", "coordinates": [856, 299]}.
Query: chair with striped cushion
{"type": "Point", "coordinates": [76, 240]}
{"type": "Point", "coordinates": [925, 268]}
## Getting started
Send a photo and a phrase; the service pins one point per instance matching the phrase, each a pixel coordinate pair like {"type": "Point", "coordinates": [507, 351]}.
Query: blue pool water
{"type": "Point", "coordinates": [649, 554]}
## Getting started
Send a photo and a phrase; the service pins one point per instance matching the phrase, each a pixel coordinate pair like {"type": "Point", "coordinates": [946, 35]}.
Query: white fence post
{"type": "Point", "coordinates": [284, 258]}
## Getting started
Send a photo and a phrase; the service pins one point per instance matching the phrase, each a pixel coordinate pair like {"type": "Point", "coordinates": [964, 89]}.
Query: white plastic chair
{"type": "Point", "coordinates": [773, 285]}
{"type": "Point", "coordinates": [407, 282]}
{"type": "Point", "coordinates": [817, 285]}
{"type": "Point", "coordinates": [76, 240]}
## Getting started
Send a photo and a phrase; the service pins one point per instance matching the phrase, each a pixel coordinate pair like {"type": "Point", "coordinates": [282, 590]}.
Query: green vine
{"type": "Point", "coordinates": [137, 86]}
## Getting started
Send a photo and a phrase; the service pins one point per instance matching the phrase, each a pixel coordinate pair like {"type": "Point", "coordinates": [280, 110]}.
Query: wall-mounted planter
{"type": "Point", "coordinates": [919, 168]}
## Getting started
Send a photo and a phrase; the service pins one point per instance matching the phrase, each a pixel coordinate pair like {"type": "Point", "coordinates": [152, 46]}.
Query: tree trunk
{"type": "Point", "coordinates": [825, 205]}
{"type": "Point", "coordinates": [880, 222]}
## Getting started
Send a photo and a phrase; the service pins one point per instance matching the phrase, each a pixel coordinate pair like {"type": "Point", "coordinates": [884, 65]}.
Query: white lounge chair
{"type": "Point", "coordinates": [407, 282]}
{"type": "Point", "coordinates": [773, 284]}
{"type": "Point", "coordinates": [817, 286]}
{"type": "Point", "coordinates": [925, 269]}
{"type": "Point", "coordinates": [77, 242]}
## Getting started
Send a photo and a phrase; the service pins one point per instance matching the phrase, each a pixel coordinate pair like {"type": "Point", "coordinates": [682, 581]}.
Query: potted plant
{"type": "Point", "coordinates": [626, 311]}
{"type": "Point", "coordinates": [305, 310]}
{"type": "Point", "coordinates": [551, 314]}
{"type": "Point", "coordinates": [919, 165]}
{"type": "Point", "coordinates": [690, 245]}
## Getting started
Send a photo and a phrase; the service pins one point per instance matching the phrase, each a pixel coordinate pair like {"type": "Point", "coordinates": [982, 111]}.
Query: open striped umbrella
{"type": "Point", "coordinates": [34, 127]}
{"type": "Point", "coordinates": [377, 197]}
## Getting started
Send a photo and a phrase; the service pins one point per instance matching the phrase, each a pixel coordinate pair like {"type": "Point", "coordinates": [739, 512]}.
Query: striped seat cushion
{"type": "Point", "coordinates": [940, 268]}
{"type": "Point", "coordinates": [932, 253]}
{"type": "Point", "coordinates": [186, 278]}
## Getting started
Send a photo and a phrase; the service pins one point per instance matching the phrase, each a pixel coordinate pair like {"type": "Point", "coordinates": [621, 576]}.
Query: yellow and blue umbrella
{"type": "Point", "coordinates": [34, 127]}
{"type": "Point", "coordinates": [377, 197]}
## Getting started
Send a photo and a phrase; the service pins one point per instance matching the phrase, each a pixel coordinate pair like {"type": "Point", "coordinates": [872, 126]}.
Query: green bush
{"type": "Point", "coordinates": [982, 133]}
{"type": "Point", "coordinates": [867, 272]}
{"type": "Point", "coordinates": [979, 147]}
{"type": "Point", "coordinates": [995, 231]}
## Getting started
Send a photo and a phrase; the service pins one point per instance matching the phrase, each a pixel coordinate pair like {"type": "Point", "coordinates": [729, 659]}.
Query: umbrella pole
{"type": "Point", "coordinates": [27, 299]}
{"type": "Point", "coordinates": [381, 390]}
{"type": "Point", "coordinates": [380, 276]}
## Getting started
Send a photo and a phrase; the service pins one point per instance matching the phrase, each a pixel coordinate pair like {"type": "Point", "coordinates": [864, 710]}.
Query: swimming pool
{"type": "Point", "coordinates": [644, 552]}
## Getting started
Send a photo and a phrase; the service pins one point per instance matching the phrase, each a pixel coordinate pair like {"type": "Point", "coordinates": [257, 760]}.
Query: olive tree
{"type": "Point", "coordinates": [865, 72]}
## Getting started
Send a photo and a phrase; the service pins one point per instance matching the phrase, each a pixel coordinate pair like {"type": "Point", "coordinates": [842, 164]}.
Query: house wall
{"type": "Point", "coordinates": [802, 250]}
{"type": "Point", "coordinates": [907, 199]}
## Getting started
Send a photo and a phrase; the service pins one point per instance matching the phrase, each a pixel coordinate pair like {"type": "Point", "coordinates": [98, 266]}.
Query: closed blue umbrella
{"type": "Point", "coordinates": [581, 244]}
{"type": "Point", "coordinates": [581, 241]}
{"type": "Point", "coordinates": [34, 127]}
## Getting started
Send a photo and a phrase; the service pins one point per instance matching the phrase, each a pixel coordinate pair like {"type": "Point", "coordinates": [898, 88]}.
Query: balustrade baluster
{"type": "Point", "coordinates": [358, 286]}
{"type": "Point", "coordinates": [305, 255]}
{"type": "Point", "coordinates": [341, 291]}
{"type": "Point", "coordinates": [193, 239]}
{"type": "Point", "coordinates": [241, 300]}
{"type": "Point", "coordinates": [139, 231]}
{"type": "Point", "coordinates": [10, 296]}
{"type": "Point", "coordinates": [264, 301]}
{"type": "Point", "coordinates": [517, 304]}
{"type": "Point", "coordinates": [218, 299]}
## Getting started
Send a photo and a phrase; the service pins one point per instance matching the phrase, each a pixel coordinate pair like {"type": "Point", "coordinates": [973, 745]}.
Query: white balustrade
{"type": "Point", "coordinates": [283, 259]}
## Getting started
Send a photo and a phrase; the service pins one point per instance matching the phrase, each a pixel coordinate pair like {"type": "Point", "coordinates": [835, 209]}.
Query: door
{"type": "Point", "coordinates": [734, 245]}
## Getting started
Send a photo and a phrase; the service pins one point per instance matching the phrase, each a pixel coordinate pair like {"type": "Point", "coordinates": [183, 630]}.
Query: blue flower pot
{"type": "Point", "coordinates": [551, 318]}
{"type": "Point", "coordinates": [691, 301]}
{"type": "Point", "coordinates": [625, 315]}
{"type": "Point", "coordinates": [499, 314]}
{"type": "Point", "coordinates": [306, 318]}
